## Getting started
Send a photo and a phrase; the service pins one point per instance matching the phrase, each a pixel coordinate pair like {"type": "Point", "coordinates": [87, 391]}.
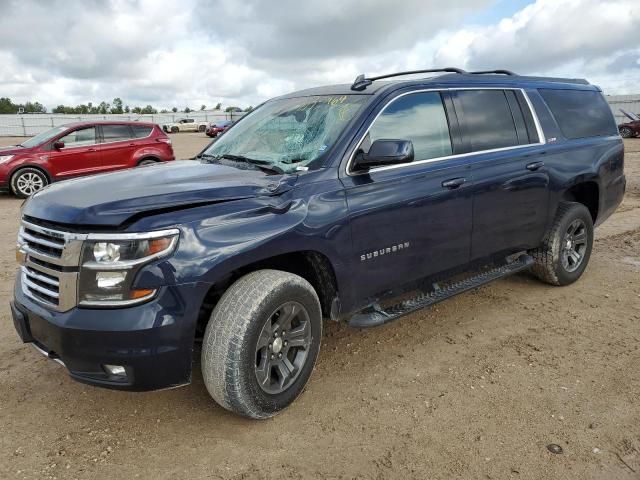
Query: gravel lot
{"type": "Point", "coordinates": [475, 387]}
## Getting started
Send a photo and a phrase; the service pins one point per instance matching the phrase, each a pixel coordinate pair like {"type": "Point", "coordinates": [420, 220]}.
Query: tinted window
{"type": "Point", "coordinates": [78, 138]}
{"type": "Point", "coordinates": [419, 117]}
{"type": "Point", "coordinates": [487, 119]}
{"type": "Point", "coordinates": [114, 133]}
{"type": "Point", "coordinates": [580, 113]}
{"type": "Point", "coordinates": [141, 131]}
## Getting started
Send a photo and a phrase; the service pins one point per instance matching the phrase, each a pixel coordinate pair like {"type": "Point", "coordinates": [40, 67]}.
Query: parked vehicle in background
{"type": "Point", "coordinates": [632, 128]}
{"type": "Point", "coordinates": [79, 149]}
{"type": "Point", "coordinates": [359, 203]}
{"type": "Point", "coordinates": [185, 125]}
{"type": "Point", "coordinates": [217, 128]}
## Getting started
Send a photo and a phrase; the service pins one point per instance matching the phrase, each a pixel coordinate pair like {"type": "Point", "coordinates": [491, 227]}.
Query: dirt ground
{"type": "Point", "coordinates": [475, 387]}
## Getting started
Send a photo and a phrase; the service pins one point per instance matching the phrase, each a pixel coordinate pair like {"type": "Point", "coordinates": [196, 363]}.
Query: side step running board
{"type": "Point", "coordinates": [377, 316]}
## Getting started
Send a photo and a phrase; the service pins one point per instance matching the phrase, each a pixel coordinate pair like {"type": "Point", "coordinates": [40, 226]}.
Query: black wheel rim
{"type": "Point", "coordinates": [282, 348]}
{"type": "Point", "coordinates": [574, 245]}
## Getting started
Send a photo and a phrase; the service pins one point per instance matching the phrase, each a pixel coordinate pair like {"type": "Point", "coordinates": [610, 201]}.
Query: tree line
{"type": "Point", "coordinates": [115, 107]}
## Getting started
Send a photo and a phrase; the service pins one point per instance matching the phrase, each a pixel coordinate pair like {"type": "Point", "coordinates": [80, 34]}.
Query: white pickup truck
{"type": "Point", "coordinates": [185, 125]}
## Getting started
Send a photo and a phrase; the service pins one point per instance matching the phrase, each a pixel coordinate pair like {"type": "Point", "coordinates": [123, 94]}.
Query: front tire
{"type": "Point", "coordinates": [175, 129]}
{"type": "Point", "coordinates": [27, 181]}
{"type": "Point", "coordinates": [261, 343]}
{"type": "Point", "coordinates": [626, 132]}
{"type": "Point", "coordinates": [202, 128]}
{"type": "Point", "coordinates": [566, 248]}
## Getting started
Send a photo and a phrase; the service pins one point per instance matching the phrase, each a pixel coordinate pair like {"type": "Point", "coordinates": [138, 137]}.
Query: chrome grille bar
{"type": "Point", "coordinates": [49, 265]}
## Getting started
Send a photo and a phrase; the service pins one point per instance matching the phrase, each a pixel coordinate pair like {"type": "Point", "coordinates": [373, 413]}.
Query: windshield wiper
{"type": "Point", "coordinates": [263, 164]}
{"type": "Point", "coordinates": [206, 155]}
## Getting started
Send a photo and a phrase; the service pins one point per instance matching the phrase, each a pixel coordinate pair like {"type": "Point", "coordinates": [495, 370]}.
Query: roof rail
{"type": "Point", "coordinates": [497, 72]}
{"type": "Point", "coordinates": [361, 82]}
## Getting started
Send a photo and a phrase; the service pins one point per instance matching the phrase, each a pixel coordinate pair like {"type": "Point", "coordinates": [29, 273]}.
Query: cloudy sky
{"type": "Point", "coordinates": [240, 52]}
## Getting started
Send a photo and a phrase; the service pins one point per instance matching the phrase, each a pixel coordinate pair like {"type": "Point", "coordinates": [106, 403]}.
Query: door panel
{"type": "Point", "coordinates": [118, 146]}
{"type": "Point", "coordinates": [510, 202]}
{"type": "Point", "coordinates": [406, 225]}
{"type": "Point", "coordinates": [414, 220]}
{"type": "Point", "coordinates": [511, 183]}
{"type": "Point", "coordinates": [81, 154]}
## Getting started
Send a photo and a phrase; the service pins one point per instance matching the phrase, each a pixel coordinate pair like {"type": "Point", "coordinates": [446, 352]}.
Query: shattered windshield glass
{"type": "Point", "coordinates": [290, 133]}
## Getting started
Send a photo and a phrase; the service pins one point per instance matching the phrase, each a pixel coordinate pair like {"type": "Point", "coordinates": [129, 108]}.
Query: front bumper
{"type": "Point", "coordinates": [153, 341]}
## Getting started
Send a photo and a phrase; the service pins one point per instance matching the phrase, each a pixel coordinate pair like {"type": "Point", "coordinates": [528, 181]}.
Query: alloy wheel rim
{"type": "Point", "coordinates": [574, 245]}
{"type": "Point", "coordinates": [282, 348]}
{"type": "Point", "coordinates": [29, 183]}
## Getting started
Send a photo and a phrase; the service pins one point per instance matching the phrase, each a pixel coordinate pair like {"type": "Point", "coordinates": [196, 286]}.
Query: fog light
{"type": "Point", "coordinates": [115, 370]}
{"type": "Point", "coordinates": [108, 280]}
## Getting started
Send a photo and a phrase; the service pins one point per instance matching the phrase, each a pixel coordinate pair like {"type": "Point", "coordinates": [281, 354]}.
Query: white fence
{"type": "Point", "coordinates": [27, 125]}
{"type": "Point", "coordinates": [630, 103]}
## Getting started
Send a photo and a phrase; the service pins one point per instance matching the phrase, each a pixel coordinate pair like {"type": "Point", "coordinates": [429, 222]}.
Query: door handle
{"type": "Point", "coordinates": [91, 150]}
{"type": "Point", "coordinates": [535, 166]}
{"type": "Point", "coordinates": [454, 183]}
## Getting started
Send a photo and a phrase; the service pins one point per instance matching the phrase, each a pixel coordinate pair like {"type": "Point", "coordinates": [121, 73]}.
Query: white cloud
{"type": "Point", "coordinates": [197, 52]}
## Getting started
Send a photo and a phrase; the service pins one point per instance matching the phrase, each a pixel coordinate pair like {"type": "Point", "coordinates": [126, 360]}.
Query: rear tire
{"type": "Point", "coordinates": [147, 162]}
{"type": "Point", "coordinates": [566, 248]}
{"type": "Point", "coordinates": [626, 132]}
{"type": "Point", "coordinates": [261, 343]}
{"type": "Point", "coordinates": [27, 181]}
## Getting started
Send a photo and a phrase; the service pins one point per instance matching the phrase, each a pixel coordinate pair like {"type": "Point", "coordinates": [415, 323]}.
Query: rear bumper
{"type": "Point", "coordinates": [153, 341]}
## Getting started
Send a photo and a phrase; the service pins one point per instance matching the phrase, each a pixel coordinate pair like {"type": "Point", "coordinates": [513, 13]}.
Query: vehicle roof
{"type": "Point", "coordinates": [87, 123]}
{"type": "Point", "coordinates": [453, 80]}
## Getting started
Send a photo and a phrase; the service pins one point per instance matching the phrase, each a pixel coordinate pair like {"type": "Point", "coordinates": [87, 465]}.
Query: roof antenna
{"type": "Point", "coordinates": [360, 83]}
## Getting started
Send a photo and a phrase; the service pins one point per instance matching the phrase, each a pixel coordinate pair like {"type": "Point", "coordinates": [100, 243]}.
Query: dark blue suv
{"type": "Point", "coordinates": [359, 202]}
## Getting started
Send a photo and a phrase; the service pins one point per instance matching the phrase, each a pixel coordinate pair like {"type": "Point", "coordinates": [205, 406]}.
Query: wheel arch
{"type": "Point", "coordinates": [17, 168]}
{"type": "Point", "coordinates": [588, 194]}
{"type": "Point", "coordinates": [313, 266]}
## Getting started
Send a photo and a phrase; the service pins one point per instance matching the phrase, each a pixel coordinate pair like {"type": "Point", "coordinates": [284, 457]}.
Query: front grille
{"type": "Point", "coordinates": [50, 260]}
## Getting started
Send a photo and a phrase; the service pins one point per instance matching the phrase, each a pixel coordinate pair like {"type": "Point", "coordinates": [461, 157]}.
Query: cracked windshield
{"type": "Point", "coordinates": [287, 135]}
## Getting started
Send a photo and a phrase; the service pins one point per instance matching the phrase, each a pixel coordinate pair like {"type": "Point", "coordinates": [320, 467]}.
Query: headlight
{"type": "Point", "coordinates": [5, 158]}
{"type": "Point", "coordinates": [110, 263]}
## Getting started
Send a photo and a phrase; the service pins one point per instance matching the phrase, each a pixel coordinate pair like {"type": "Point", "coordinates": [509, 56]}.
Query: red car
{"type": "Point", "coordinates": [217, 128]}
{"type": "Point", "coordinates": [632, 128]}
{"type": "Point", "coordinates": [79, 149]}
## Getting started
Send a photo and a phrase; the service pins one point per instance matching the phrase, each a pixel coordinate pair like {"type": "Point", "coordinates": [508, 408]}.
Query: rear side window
{"type": "Point", "coordinates": [419, 117]}
{"type": "Point", "coordinates": [580, 113]}
{"type": "Point", "coordinates": [141, 131]}
{"type": "Point", "coordinates": [115, 133]}
{"type": "Point", "coordinates": [488, 120]}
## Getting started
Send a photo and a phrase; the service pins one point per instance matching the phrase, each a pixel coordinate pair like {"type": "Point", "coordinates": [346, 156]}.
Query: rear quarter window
{"type": "Point", "coordinates": [580, 113]}
{"type": "Point", "coordinates": [141, 131]}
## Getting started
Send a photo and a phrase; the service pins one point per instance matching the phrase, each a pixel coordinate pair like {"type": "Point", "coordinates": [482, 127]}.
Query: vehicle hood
{"type": "Point", "coordinates": [13, 150]}
{"type": "Point", "coordinates": [111, 199]}
{"type": "Point", "coordinates": [632, 116]}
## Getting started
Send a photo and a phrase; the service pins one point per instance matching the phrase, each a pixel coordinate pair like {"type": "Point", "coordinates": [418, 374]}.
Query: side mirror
{"type": "Point", "coordinates": [385, 152]}
{"type": "Point", "coordinates": [58, 145]}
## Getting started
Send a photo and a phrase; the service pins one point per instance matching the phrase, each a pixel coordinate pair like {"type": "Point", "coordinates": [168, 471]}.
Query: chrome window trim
{"type": "Point", "coordinates": [541, 137]}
